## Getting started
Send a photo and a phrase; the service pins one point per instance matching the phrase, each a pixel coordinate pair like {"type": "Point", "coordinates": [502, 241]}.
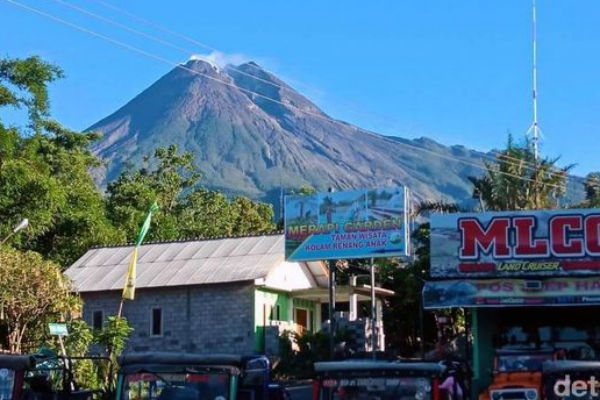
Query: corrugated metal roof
{"type": "Point", "coordinates": [180, 263]}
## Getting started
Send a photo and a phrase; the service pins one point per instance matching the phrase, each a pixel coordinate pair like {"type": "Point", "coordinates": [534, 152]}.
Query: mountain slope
{"type": "Point", "coordinates": [247, 144]}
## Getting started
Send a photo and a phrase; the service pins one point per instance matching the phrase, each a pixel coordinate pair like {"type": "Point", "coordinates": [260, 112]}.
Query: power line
{"type": "Point", "coordinates": [515, 161]}
{"type": "Point", "coordinates": [126, 27]}
{"type": "Point", "coordinates": [321, 116]}
{"type": "Point", "coordinates": [154, 56]}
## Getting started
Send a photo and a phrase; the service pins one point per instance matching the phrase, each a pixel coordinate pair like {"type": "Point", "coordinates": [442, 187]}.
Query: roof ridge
{"type": "Point", "coordinates": [188, 240]}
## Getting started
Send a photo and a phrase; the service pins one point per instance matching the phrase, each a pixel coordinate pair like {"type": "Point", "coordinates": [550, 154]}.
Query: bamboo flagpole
{"type": "Point", "coordinates": [129, 286]}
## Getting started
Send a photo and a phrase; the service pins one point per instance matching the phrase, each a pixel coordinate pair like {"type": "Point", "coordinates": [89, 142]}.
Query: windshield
{"type": "Point", "coordinates": [403, 388]}
{"type": "Point", "coordinates": [7, 383]}
{"type": "Point", "coordinates": [179, 386]}
{"type": "Point", "coordinates": [522, 362]}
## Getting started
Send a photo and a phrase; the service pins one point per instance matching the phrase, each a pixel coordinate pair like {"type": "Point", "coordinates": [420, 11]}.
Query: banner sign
{"type": "Point", "coordinates": [350, 224]}
{"type": "Point", "coordinates": [524, 243]}
{"type": "Point", "coordinates": [58, 329]}
{"type": "Point", "coordinates": [511, 292]}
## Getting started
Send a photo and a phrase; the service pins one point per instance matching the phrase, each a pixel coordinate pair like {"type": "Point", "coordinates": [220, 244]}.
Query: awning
{"type": "Point", "coordinates": [342, 293]}
{"type": "Point", "coordinates": [511, 292]}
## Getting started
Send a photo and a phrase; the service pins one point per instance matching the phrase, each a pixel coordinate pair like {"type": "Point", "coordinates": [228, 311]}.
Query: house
{"type": "Point", "coordinates": [216, 295]}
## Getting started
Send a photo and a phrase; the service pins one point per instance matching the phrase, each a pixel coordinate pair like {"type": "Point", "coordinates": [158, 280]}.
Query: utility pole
{"type": "Point", "coordinates": [332, 268]}
{"type": "Point", "coordinates": [374, 330]}
{"type": "Point", "coordinates": [22, 225]}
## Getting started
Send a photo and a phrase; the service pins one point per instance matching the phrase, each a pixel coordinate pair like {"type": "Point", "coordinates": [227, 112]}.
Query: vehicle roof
{"type": "Point", "coordinates": [16, 362]}
{"type": "Point", "coordinates": [523, 351]}
{"type": "Point", "coordinates": [375, 365]}
{"type": "Point", "coordinates": [178, 358]}
{"type": "Point", "coordinates": [570, 365]}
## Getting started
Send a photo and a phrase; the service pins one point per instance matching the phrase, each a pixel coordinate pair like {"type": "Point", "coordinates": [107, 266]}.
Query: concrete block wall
{"type": "Point", "coordinates": [199, 319]}
{"type": "Point", "coordinates": [360, 332]}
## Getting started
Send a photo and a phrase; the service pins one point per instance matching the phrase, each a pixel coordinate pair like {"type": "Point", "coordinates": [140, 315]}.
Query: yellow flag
{"type": "Point", "coordinates": [129, 288]}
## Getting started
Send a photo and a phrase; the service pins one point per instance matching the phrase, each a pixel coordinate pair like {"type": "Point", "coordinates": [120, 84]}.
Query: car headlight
{"type": "Point", "coordinates": [419, 395]}
{"type": "Point", "coordinates": [531, 394]}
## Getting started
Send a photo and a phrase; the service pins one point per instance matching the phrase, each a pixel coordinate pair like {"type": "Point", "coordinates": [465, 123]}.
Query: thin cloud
{"type": "Point", "coordinates": [221, 59]}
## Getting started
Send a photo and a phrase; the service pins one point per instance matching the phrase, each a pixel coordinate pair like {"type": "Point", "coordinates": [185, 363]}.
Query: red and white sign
{"type": "Point", "coordinates": [558, 242]}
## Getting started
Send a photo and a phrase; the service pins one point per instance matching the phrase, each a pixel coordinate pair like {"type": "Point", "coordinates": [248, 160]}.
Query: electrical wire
{"type": "Point", "coordinates": [321, 116]}
{"type": "Point", "coordinates": [156, 39]}
{"type": "Point", "coordinates": [508, 159]}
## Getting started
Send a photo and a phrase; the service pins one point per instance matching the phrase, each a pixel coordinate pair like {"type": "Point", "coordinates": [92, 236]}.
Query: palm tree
{"type": "Point", "coordinates": [427, 207]}
{"type": "Point", "coordinates": [300, 206]}
{"type": "Point", "coordinates": [328, 207]}
{"type": "Point", "coordinates": [592, 190]}
{"type": "Point", "coordinates": [517, 181]}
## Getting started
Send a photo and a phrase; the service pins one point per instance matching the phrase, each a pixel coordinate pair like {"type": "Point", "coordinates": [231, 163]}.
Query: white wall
{"type": "Point", "coordinates": [290, 276]}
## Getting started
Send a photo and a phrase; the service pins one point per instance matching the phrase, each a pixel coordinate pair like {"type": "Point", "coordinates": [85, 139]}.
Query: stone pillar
{"type": "Point", "coordinates": [318, 316]}
{"type": "Point", "coordinates": [291, 310]}
{"type": "Point", "coordinates": [380, 332]}
{"type": "Point", "coordinates": [353, 300]}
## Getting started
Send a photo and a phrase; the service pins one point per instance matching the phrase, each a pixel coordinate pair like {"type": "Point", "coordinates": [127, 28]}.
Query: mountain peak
{"type": "Point", "coordinates": [256, 135]}
{"type": "Point", "coordinates": [201, 64]}
{"type": "Point", "coordinates": [252, 63]}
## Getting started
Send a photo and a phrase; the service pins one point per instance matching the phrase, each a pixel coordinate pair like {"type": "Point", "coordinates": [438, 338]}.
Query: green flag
{"type": "Point", "coordinates": [129, 288]}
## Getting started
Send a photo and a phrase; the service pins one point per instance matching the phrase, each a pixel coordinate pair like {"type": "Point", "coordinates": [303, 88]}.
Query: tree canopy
{"type": "Point", "coordinates": [186, 209]}
{"type": "Point", "coordinates": [33, 292]}
{"type": "Point", "coordinates": [45, 177]}
{"type": "Point", "coordinates": [517, 181]}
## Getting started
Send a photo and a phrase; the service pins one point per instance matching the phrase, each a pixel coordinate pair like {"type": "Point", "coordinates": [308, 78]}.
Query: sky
{"type": "Point", "coordinates": [458, 72]}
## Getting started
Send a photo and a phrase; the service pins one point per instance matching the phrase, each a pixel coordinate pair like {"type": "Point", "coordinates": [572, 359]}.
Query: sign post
{"type": "Point", "coordinates": [360, 223]}
{"type": "Point", "coordinates": [60, 330]}
{"type": "Point", "coordinates": [350, 224]}
{"type": "Point", "coordinates": [514, 258]}
{"type": "Point", "coordinates": [332, 271]}
{"type": "Point", "coordinates": [373, 311]}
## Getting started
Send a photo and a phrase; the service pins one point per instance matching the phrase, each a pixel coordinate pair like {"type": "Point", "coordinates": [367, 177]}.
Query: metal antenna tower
{"type": "Point", "coordinates": [534, 129]}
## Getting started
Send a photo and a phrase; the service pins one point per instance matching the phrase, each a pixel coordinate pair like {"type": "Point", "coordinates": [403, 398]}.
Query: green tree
{"type": "Point", "coordinates": [113, 338]}
{"type": "Point", "coordinates": [44, 170]}
{"type": "Point", "coordinates": [251, 217]}
{"type": "Point", "coordinates": [186, 210]}
{"type": "Point", "coordinates": [86, 373]}
{"type": "Point", "coordinates": [516, 181]}
{"type": "Point", "coordinates": [592, 190]}
{"type": "Point", "coordinates": [305, 190]}
{"type": "Point", "coordinates": [24, 84]}
{"type": "Point", "coordinates": [33, 292]}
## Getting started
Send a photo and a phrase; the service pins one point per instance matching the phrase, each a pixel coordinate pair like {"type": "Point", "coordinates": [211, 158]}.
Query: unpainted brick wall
{"type": "Point", "coordinates": [199, 319]}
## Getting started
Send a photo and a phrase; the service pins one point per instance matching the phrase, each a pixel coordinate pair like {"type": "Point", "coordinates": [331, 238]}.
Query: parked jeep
{"type": "Point", "coordinates": [45, 375]}
{"type": "Point", "coordinates": [517, 375]}
{"type": "Point", "coordinates": [378, 379]}
{"type": "Point", "coordinates": [185, 376]}
{"type": "Point", "coordinates": [559, 376]}
{"type": "Point", "coordinates": [12, 375]}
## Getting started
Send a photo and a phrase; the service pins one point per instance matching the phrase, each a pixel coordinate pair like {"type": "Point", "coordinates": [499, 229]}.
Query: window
{"type": "Point", "coordinates": [97, 320]}
{"type": "Point", "coordinates": [275, 313]}
{"type": "Point", "coordinates": [157, 323]}
{"type": "Point", "coordinates": [214, 382]}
